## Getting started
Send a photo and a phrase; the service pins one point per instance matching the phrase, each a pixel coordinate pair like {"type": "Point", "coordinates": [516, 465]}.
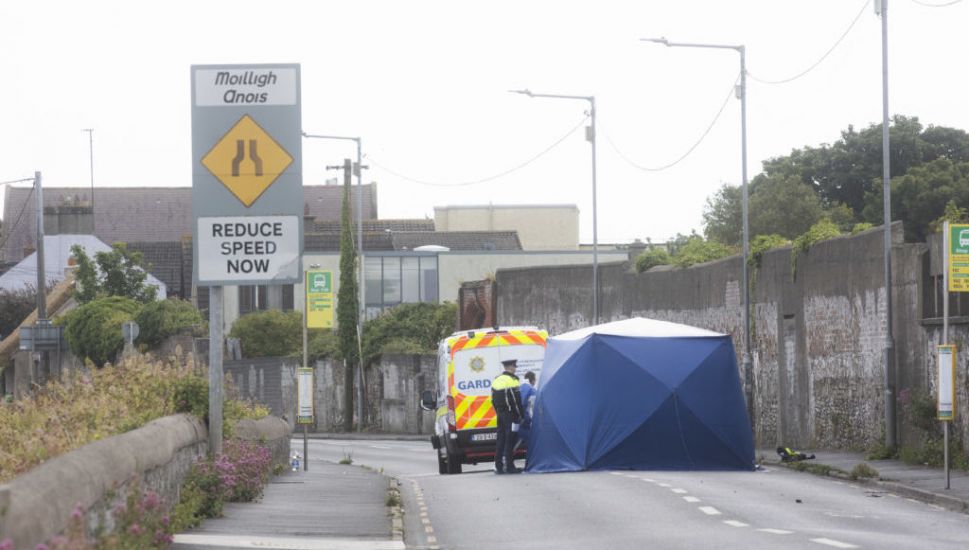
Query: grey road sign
{"type": "Point", "coordinates": [247, 185]}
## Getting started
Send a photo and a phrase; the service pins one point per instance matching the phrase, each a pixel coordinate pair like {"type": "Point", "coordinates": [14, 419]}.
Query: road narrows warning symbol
{"type": "Point", "coordinates": [247, 160]}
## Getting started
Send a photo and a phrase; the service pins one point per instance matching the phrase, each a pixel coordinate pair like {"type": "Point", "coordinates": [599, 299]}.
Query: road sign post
{"type": "Point", "coordinates": [247, 191]}
{"type": "Point", "coordinates": [955, 278]}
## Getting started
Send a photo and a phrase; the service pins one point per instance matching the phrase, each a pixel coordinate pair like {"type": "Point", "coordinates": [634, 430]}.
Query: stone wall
{"type": "Point", "coordinates": [817, 330]}
{"type": "Point", "coordinates": [37, 505]}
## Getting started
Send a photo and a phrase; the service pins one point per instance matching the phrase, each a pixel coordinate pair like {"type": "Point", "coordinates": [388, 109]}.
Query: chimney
{"type": "Point", "coordinates": [70, 217]}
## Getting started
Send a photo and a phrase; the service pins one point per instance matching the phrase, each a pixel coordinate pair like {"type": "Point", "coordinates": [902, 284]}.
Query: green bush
{"type": "Point", "coordinates": [191, 395]}
{"type": "Point", "coordinates": [15, 306]}
{"type": "Point", "coordinates": [761, 244]}
{"type": "Point", "coordinates": [421, 326]}
{"type": "Point", "coordinates": [697, 251]}
{"type": "Point", "coordinates": [652, 258]}
{"type": "Point", "coordinates": [270, 333]}
{"type": "Point", "coordinates": [323, 344]}
{"type": "Point", "coordinates": [93, 331]}
{"type": "Point", "coordinates": [163, 318]}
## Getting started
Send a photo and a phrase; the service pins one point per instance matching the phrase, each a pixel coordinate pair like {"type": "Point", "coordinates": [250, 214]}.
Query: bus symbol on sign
{"type": "Point", "coordinates": [319, 282]}
{"type": "Point", "coordinates": [964, 238]}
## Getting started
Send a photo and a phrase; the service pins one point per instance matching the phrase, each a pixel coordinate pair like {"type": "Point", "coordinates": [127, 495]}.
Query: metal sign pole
{"type": "Point", "coordinates": [306, 305]}
{"type": "Point", "coordinates": [215, 370]}
{"type": "Point", "coordinates": [945, 335]}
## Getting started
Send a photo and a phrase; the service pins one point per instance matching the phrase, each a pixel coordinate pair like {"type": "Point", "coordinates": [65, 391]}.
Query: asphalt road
{"type": "Point", "coordinates": [769, 508]}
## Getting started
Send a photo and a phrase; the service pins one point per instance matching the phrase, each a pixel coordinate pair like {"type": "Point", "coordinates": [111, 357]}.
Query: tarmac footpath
{"type": "Point", "coordinates": [330, 506]}
{"type": "Point", "coordinates": [894, 476]}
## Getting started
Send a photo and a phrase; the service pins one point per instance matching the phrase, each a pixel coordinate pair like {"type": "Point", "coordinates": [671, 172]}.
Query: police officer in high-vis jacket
{"type": "Point", "coordinates": [506, 398]}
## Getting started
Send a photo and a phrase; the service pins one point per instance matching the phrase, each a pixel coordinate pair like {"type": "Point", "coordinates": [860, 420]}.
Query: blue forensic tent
{"type": "Point", "coordinates": [640, 394]}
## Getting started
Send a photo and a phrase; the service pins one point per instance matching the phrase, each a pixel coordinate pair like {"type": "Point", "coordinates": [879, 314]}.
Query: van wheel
{"type": "Point", "coordinates": [441, 464]}
{"type": "Point", "coordinates": [453, 464]}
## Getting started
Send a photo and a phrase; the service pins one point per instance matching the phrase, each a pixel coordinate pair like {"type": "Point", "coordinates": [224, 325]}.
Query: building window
{"type": "Point", "coordinates": [392, 280]}
{"type": "Point", "coordinates": [256, 298]}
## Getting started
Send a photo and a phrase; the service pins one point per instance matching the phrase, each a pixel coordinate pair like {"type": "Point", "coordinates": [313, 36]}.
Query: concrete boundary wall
{"type": "Point", "coordinates": [817, 329]}
{"type": "Point", "coordinates": [37, 505]}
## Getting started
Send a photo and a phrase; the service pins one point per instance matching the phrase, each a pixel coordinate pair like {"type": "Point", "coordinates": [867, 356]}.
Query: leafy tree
{"type": "Point", "coordinates": [15, 306]}
{"type": "Point", "coordinates": [651, 258]}
{"type": "Point", "coordinates": [697, 250]}
{"type": "Point", "coordinates": [270, 333]}
{"type": "Point", "coordinates": [951, 214]}
{"type": "Point", "coordinates": [347, 305]}
{"type": "Point", "coordinates": [409, 328]}
{"type": "Point", "coordinates": [93, 330]}
{"type": "Point", "coordinates": [782, 205]}
{"type": "Point", "coordinates": [920, 196]}
{"type": "Point", "coordinates": [119, 272]}
{"type": "Point", "coordinates": [723, 215]}
{"type": "Point", "coordinates": [163, 318]}
{"type": "Point", "coordinates": [845, 171]}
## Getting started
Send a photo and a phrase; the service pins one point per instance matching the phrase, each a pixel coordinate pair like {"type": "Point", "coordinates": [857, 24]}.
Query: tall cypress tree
{"type": "Point", "coordinates": [346, 305]}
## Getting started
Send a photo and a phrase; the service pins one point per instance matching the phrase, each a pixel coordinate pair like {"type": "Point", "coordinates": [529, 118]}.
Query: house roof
{"type": "Point", "coordinates": [166, 261]}
{"type": "Point", "coordinates": [329, 241]}
{"type": "Point", "coordinates": [146, 214]}
{"type": "Point", "coordinates": [378, 225]}
{"type": "Point", "coordinates": [457, 240]}
{"type": "Point", "coordinates": [57, 251]}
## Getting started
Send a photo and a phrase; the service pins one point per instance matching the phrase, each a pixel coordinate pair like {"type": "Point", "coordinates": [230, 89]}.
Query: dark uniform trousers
{"type": "Point", "coordinates": [505, 444]}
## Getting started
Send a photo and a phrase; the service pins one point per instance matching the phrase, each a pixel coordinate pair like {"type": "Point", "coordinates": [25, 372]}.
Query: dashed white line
{"type": "Point", "coordinates": [776, 531]}
{"type": "Point", "coordinates": [647, 480]}
{"type": "Point", "coordinates": [835, 543]}
{"type": "Point", "coordinates": [680, 491]}
{"type": "Point", "coordinates": [735, 523]}
{"type": "Point", "coordinates": [428, 529]}
{"type": "Point", "coordinates": [710, 510]}
{"type": "Point", "coordinates": [431, 540]}
{"type": "Point", "coordinates": [691, 499]}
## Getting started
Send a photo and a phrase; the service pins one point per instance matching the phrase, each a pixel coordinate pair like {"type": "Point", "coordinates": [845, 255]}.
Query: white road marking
{"type": "Point", "coordinates": [293, 543]}
{"type": "Point", "coordinates": [680, 491]}
{"type": "Point", "coordinates": [835, 543]}
{"type": "Point", "coordinates": [431, 540]}
{"type": "Point", "coordinates": [425, 521]}
{"type": "Point", "coordinates": [776, 531]}
{"type": "Point", "coordinates": [384, 447]}
{"type": "Point", "coordinates": [691, 499]}
{"type": "Point", "coordinates": [710, 510]}
{"type": "Point", "coordinates": [646, 479]}
{"type": "Point", "coordinates": [667, 485]}
{"type": "Point", "coordinates": [735, 523]}
{"type": "Point", "coordinates": [428, 529]}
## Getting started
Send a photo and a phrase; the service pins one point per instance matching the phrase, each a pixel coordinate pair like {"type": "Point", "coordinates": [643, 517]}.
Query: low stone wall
{"type": "Point", "coordinates": [37, 505]}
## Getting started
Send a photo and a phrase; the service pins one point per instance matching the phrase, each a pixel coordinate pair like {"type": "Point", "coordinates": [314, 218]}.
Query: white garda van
{"type": "Point", "coordinates": [467, 362]}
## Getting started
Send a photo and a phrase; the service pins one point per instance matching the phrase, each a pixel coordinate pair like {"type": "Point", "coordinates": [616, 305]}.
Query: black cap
{"type": "Point", "coordinates": [510, 363]}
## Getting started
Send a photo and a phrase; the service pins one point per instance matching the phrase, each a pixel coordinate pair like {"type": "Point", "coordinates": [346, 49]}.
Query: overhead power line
{"type": "Point", "coordinates": [693, 147]}
{"type": "Point", "coordinates": [489, 178]}
{"type": "Point", "coordinates": [822, 58]}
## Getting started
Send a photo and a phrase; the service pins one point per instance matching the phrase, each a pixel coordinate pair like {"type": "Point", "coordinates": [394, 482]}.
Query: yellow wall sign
{"type": "Point", "coordinates": [958, 257]}
{"type": "Point", "coordinates": [319, 299]}
{"type": "Point", "coordinates": [247, 160]}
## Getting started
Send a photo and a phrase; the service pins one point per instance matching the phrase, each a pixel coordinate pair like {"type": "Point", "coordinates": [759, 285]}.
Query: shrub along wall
{"type": "Point", "coordinates": [38, 504]}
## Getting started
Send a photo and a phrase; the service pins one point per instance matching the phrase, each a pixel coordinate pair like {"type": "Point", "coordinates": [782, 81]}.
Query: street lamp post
{"type": "Point", "coordinates": [881, 8]}
{"type": "Point", "coordinates": [742, 93]}
{"type": "Point", "coordinates": [591, 137]}
{"type": "Point", "coordinates": [360, 298]}
{"type": "Point", "coordinates": [90, 141]}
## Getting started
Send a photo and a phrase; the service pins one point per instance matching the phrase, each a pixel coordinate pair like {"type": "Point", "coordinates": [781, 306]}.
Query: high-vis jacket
{"type": "Point", "coordinates": [506, 396]}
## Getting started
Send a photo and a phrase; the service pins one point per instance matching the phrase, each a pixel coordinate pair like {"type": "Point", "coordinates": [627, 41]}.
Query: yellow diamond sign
{"type": "Point", "coordinates": [247, 160]}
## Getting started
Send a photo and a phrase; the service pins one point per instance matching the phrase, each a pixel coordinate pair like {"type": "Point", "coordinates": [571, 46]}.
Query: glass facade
{"type": "Point", "coordinates": [392, 280]}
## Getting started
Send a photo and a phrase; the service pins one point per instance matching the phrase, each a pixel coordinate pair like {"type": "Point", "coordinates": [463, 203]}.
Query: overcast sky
{"type": "Point", "coordinates": [425, 85]}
